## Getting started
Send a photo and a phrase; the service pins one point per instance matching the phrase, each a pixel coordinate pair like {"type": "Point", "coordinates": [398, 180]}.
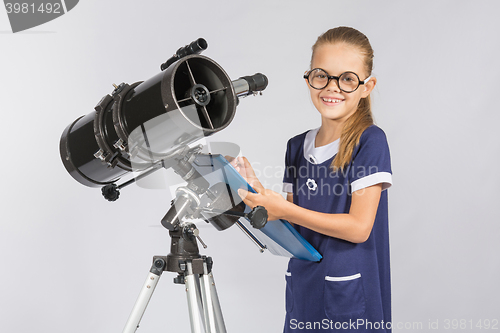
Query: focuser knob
{"type": "Point", "coordinates": [258, 217]}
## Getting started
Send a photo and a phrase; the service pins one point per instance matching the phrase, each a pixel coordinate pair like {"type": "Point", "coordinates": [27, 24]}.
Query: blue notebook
{"type": "Point", "coordinates": [278, 236]}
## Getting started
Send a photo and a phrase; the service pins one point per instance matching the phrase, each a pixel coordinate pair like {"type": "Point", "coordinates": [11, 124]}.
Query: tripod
{"type": "Point", "coordinates": [195, 272]}
{"type": "Point", "coordinates": [197, 199]}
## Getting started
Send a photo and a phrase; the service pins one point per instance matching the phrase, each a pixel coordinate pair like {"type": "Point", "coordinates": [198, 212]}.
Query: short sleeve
{"type": "Point", "coordinates": [288, 176]}
{"type": "Point", "coordinates": [371, 162]}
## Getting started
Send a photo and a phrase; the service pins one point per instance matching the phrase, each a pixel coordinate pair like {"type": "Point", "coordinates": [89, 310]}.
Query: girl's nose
{"type": "Point", "coordinates": [333, 85]}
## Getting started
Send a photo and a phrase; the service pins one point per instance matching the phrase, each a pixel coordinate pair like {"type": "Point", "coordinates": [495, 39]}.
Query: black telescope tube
{"type": "Point", "coordinates": [100, 147]}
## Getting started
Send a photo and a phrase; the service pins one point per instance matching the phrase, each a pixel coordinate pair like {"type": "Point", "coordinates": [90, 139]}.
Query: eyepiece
{"type": "Point", "coordinates": [195, 47]}
{"type": "Point", "coordinates": [256, 82]}
{"type": "Point", "coordinates": [248, 85]}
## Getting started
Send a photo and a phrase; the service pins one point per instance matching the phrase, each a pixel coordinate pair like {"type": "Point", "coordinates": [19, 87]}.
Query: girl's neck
{"type": "Point", "coordinates": [328, 132]}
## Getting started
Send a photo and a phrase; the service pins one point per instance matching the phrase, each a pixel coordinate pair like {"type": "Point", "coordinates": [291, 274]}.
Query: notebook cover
{"type": "Point", "coordinates": [279, 236]}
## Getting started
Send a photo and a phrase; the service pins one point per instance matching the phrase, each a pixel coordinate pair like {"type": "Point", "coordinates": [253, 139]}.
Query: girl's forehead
{"type": "Point", "coordinates": [338, 58]}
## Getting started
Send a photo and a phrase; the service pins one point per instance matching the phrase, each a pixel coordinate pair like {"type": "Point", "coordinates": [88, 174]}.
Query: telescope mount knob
{"type": "Point", "coordinates": [110, 192]}
{"type": "Point", "coordinates": [258, 217]}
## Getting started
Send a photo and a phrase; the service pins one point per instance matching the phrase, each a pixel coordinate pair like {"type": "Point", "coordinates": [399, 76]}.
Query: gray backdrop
{"type": "Point", "coordinates": [72, 262]}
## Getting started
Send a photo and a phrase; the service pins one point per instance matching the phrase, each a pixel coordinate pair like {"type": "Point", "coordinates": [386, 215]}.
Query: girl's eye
{"type": "Point", "coordinates": [349, 78]}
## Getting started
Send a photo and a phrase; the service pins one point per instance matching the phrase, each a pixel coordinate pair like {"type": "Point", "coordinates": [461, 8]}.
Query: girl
{"type": "Point", "coordinates": [335, 179]}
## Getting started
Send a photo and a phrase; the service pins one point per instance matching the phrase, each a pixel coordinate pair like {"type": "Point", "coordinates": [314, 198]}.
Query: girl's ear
{"type": "Point", "coordinates": [368, 87]}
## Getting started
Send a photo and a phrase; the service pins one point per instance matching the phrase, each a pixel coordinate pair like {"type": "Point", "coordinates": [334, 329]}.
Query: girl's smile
{"type": "Point", "coordinates": [332, 101]}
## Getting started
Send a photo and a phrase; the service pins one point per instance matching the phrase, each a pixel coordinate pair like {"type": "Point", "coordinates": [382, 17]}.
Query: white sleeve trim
{"type": "Point", "coordinates": [288, 187]}
{"type": "Point", "coordinates": [384, 178]}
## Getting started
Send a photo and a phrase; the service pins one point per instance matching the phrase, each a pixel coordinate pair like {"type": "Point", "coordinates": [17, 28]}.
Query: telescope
{"type": "Point", "coordinates": [146, 126]}
{"type": "Point", "coordinates": [141, 124]}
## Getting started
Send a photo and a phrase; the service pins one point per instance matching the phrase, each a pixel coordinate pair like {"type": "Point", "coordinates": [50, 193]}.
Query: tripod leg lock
{"type": "Point", "coordinates": [179, 279]}
{"type": "Point", "coordinates": [197, 265]}
{"type": "Point", "coordinates": [158, 266]}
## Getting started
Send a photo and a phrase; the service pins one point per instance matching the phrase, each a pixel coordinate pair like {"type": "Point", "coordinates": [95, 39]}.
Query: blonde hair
{"type": "Point", "coordinates": [362, 118]}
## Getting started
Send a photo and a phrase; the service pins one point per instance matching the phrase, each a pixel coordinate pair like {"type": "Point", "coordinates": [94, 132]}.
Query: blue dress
{"type": "Point", "coordinates": [349, 290]}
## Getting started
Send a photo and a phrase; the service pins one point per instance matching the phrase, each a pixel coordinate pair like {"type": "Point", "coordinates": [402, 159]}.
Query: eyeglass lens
{"type": "Point", "coordinates": [348, 81]}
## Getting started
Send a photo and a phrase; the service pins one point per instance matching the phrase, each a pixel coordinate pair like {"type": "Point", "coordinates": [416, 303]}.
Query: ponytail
{"type": "Point", "coordinates": [351, 133]}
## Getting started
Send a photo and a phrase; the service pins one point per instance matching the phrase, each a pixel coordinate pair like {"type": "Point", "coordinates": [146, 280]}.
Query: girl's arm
{"type": "Point", "coordinates": [289, 198]}
{"type": "Point", "coordinates": [354, 227]}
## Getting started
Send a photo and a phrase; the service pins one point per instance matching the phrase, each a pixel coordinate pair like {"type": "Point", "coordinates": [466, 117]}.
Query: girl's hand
{"type": "Point", "coordinates": [242, 165]}
{"type": "Point", "coordinates": [273, 202]}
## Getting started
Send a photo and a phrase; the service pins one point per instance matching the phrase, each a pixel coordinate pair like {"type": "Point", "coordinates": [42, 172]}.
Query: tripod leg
{"type": "Point", "coordinates": [214, 322]}
{"type": "Point", "coordinates": [144, 296]}
{"type": "Point", "coordinates": [193, 296]}
{"type": "Point", "coordinates": [219, 320]}
{"type": "Point", "coordinates": [207, 301]}
{"type": "Point", "coordinates": [203, 302]}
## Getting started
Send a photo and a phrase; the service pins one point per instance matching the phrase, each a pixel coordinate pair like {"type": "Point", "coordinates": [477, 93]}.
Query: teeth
{"type": "Point", "coordinates": [332, 100]}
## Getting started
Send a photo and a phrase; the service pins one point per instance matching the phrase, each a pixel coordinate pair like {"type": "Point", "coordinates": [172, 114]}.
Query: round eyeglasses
{"type": "Point", "coordinates": [348, 82]}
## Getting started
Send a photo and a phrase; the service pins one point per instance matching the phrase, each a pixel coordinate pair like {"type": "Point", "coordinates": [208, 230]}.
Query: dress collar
{"type": "Point", "coordinates": [318, 155]}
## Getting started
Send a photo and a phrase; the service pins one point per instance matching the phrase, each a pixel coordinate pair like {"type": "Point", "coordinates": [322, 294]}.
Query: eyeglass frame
{"type": "Point", "coordinates": [330, 77]}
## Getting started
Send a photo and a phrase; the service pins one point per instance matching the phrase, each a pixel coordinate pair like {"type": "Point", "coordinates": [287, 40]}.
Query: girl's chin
{"type": "Point", "coordinates": [335, 115]}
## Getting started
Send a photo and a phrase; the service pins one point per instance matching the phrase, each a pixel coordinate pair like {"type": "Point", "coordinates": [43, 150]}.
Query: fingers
{"type": "Point", "coordinates": [242, 165]}
{"type": "Point", "coordinates": [242, 193]}
{"type": "Point", "coordinates": [243, 161]}
{"type": "Point", "coordinates": [252, 197]}
{"type": "Point", "coordinates": [258, 187]}
{"type": "Point", "coordinates": [246, 197]}
{"type": "Point", "coordinates": [244, 168]}
{"type": "Point", "coordinates": [235, 162]}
